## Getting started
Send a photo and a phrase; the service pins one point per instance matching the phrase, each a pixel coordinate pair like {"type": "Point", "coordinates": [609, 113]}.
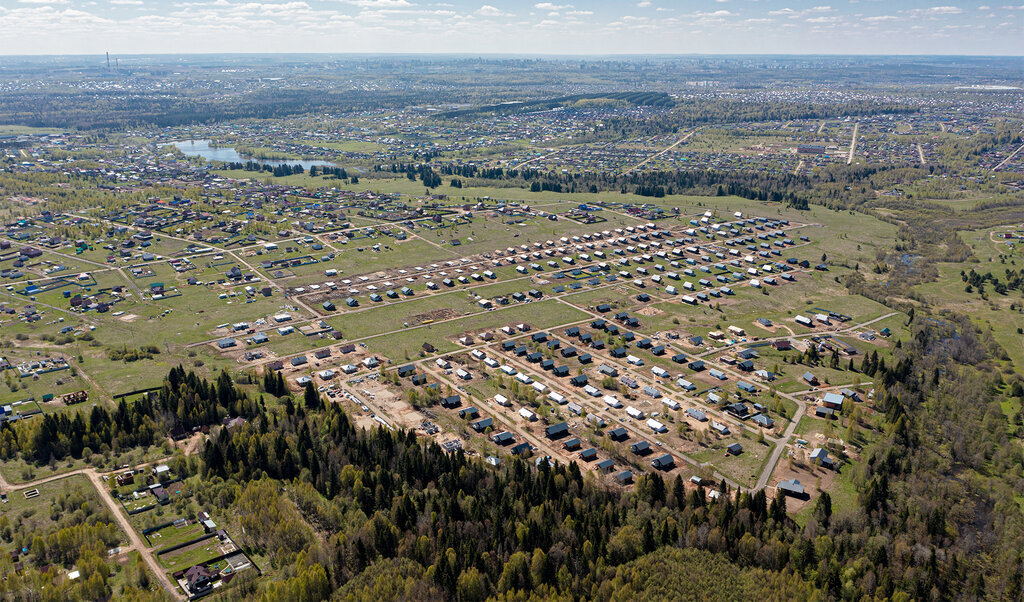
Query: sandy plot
{"type": "Point", "coordinates": [128, 318]}
{"type": "Point", "coordinates": [392, 404]}
{"type": "Point", "coordinates": [820, 479]}
{"type": "Point", "coordinates": [365, 422]}
{"type": "Point", "coordinates": [649, 311]}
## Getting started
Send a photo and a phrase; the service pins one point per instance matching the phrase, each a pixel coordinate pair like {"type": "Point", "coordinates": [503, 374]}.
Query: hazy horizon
{"type": "Point", "coordinates": [581, 28]}
{"type": "Point", "coordinates": [549, 55]}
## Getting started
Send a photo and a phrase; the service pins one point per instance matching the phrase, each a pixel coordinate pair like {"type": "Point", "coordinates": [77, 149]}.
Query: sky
{"type": "Point", "coordinates": [513, 27]}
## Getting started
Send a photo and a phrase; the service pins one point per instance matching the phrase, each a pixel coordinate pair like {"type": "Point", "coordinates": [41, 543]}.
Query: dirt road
{"type": "Point", "coordinates": [135, 540]}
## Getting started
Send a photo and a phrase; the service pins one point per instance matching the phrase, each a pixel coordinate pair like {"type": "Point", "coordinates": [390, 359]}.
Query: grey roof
{"type": "Point", "coordinates": [792, 486]}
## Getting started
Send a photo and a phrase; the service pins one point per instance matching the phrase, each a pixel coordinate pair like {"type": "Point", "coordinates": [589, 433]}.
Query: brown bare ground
{"type": "Point", "coordinates": [435, 315]}
{"type": "Point", "coordinates": [821, 479]}
{"type": "Point", "coordinates": [393, 404]}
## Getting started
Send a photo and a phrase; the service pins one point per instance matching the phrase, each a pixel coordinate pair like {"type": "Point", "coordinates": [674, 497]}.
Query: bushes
{"type": "Point", "coordinates": [124, 354]}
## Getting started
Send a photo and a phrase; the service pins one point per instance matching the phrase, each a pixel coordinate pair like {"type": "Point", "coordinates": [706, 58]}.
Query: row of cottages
{"type": "Point", "coordinates": [301, 360]}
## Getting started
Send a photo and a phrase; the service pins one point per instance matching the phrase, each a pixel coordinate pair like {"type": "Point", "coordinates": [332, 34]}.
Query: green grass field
{"type": "Point", "coordinates": [33, 515]}
{"type": "Point", "coordinates": [743, 468]}
{"type": "Point", "coordinates": [192, 555]}
{"type": "Point", "coordinates": [174, 535]}
{"type": "Point", "coordinates": [406, 344]}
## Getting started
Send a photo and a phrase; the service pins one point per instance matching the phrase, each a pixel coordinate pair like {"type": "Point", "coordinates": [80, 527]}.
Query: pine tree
{"type": "Point", "coordinates": [311, 398]}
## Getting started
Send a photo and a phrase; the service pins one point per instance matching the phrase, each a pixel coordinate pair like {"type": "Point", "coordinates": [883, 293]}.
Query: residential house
{"type": "Point", "coordinates": [792, 488]}
{"type": "Point", "coordinates": [663, 462]}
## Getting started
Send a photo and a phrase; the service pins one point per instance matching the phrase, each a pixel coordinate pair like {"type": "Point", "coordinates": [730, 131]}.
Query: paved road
{"type": "Point", "coordinates": [135, 540]}
{"type": "Point", "coordinates": [780, 442]}
{"type": "Point", "coordinates": [133, 536]}
{"type": "Point", "coordinates": [1011, 156]}
{"type": "Point", "coordinates": [528, 161]}
{"type": "Point", "coordinates": [853, 143]}
{"type": "Point", "coordinates": [847, 330]}
{"type": "Point", "coordinates": [660, 153]}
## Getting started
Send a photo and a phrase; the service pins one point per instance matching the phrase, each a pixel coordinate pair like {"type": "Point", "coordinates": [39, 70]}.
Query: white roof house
{"type": "Point", "coordinates": [656, 426]}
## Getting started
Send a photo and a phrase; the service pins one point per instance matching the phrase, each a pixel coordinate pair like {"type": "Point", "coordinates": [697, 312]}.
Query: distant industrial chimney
{"type": "Point", "coordinates": [108, 61]}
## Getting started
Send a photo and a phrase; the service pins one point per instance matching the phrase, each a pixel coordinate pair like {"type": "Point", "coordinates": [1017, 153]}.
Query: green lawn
{"type": "Point", "coordinates": [173, 535]}
{"type": "Point", "coordinates": [744, 468]}
{"type": "Point", "coordinates": [385, 316]}
{"type": "Point", "coordinates": [843, 493]}
{"type": "Point", "coordinates": [28, 516]}
{"type": "Point", "coordinates": [192, 555]}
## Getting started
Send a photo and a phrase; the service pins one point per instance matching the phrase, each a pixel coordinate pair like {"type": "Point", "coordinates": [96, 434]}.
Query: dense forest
{"type": "Point", "coordinates": [835, 186]}
{"type": "Point", "coordinates": [74, 530]}
{"type": "Point", "coordinates": [185, 401]}
{"type": "Point", "coordinates": [937, 495]}
{"type": "Point", "coordinates": [651, 99]}
{"type": "Point", "coordinates": [338, 507]}
{"type": "Point", "coordinates": [99, 110]}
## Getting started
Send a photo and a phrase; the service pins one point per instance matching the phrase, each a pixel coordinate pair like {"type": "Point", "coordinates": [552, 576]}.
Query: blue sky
{"type": "Point", "coordinates": [497, 26]}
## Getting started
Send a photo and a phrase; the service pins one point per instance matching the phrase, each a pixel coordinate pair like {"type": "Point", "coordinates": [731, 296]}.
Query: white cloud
{"type": "Point", "coordinates": [491, 11]}
{"type": "Point", "coordinates": [379, 3]}
{"type": "Point", "coordinates": [717, 14]}
{"type": "Point", "coordinates": [943, 10]}
{"type": "Point", "coordinates": [643, 4]}
{"type": "Point", "coordinates": [375, 25]}
{"type": "Point", "coordinates": [793, 14]}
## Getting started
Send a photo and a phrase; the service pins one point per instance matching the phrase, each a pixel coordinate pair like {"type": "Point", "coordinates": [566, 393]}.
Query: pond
{"type": "Point", "coordinates": [202, 148]}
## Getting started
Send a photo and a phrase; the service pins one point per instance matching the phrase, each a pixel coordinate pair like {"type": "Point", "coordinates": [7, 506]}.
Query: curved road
{"type": "Point", "coordinates": [136, 542]}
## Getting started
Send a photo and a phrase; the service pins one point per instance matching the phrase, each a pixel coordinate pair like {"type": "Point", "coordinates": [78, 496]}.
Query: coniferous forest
{"type": "Point", "coordinates": [377, 513]}
{"type": "Point", "coordinates": [381, 514]}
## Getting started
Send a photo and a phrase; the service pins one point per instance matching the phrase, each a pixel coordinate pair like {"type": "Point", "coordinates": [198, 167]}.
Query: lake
{"type": "Point", "coordinates": [202, 148]}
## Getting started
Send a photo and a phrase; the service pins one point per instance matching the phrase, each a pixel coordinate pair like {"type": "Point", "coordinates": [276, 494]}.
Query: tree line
{"type": "Point", "coordinates": [394, 504]}
{"type": "Point", "coordinates": [183, 402]}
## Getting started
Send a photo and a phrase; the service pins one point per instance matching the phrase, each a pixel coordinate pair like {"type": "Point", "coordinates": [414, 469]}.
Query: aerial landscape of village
{"type": "Point", "coordinates": [293, 327]}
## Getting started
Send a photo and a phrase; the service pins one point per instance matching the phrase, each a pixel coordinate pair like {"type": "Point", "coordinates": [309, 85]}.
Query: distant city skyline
{"type": "Point", "coordinates": [501, 27]}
